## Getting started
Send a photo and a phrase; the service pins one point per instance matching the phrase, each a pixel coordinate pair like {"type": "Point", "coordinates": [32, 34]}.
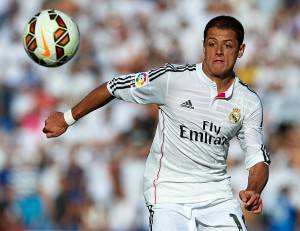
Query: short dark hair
{"type": "Point", "coordinates": [226, 22]}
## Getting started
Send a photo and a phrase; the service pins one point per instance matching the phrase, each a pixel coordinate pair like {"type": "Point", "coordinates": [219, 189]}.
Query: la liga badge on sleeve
{"type": "Point", "coordinates": [141, 79]}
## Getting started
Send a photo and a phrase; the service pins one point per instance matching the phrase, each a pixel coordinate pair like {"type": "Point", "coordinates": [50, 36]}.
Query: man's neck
{"type": "Point", "coordinates": [223, 82]}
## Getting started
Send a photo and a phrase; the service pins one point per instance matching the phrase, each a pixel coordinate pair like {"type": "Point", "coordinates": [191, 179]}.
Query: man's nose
{"type": "Point", "coordinates": [219, 50]}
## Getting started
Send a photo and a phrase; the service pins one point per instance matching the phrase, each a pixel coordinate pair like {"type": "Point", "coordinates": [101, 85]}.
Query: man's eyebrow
{"type": "Point", "coordinates": [225, 40]}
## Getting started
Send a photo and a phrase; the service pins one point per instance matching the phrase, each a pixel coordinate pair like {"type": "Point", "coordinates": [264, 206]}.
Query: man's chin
{"type": "Point", "coordinates": [220, 73]}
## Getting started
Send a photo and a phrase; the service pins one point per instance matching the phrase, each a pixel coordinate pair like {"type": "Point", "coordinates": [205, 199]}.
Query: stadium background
{"type": "Point", "coordinates": [90, 178]}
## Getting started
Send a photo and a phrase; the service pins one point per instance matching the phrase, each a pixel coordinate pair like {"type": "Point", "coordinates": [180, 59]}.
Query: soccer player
{"type": "Point", "coordinates": [201, 108]}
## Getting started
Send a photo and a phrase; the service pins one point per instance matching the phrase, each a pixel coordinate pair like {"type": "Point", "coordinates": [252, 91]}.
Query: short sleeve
{"type": "Point", "coordinates": [143, 87]}
{"type": "Point", "coordinates": [250, 137]}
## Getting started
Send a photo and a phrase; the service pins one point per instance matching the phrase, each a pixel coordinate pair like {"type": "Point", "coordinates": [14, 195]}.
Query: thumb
{"type": "Point", "coordinates": [243, 196]}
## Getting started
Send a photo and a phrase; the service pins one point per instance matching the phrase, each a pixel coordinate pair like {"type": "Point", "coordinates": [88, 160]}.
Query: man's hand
{"type": "Point", "coordinates": [55, 125]}
{"type": "Point", "coordinates": [251, 200]}
{"type": "Point", "coordinates": [257, 179]}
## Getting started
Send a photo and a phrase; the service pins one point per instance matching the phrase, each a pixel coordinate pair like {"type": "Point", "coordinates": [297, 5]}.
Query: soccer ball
{"type": "Point", "coordinates": [51, 38]}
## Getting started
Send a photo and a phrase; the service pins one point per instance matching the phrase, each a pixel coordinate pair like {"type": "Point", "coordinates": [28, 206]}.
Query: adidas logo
{"type": "Point", "coordinates": [187, 104]}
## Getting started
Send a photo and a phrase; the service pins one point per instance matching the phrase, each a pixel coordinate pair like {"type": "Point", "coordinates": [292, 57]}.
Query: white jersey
{"type": "Point", "coordinates": [187, 160]}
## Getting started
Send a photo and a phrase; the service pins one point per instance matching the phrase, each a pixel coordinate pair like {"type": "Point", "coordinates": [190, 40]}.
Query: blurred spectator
{"type": "Point", "coordinates": [6, 119]}
{"type": "Point", "coordinates": [283, 215]}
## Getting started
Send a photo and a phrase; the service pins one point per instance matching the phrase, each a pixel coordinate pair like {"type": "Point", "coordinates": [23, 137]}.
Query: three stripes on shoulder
{"type": "Point", "coordinates": [128, 81]}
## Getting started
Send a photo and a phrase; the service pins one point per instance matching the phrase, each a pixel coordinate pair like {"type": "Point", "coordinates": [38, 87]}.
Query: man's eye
{"type": "Point", "coordinates": [211, 44]}
{"type": "Point", "coordinates": [228, 45]}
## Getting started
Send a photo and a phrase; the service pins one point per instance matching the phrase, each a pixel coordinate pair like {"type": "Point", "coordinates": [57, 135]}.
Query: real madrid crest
{"type": "Point", "coordinates": [235, 115]}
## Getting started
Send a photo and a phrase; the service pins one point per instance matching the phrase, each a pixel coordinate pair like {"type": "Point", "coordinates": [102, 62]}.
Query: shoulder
{"type": "Point", "coordinates": [171, 68]}
{"type": "Point", "coordinates": [177, 67]}
{"type": "Point", "coordinates": [248, 93]}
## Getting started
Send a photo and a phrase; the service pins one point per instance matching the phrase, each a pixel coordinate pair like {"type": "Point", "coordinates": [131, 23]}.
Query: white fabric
{"type": "Point", "coordinates": [212, 215]}
{"type": "Point", "coordinates": [187, 160]}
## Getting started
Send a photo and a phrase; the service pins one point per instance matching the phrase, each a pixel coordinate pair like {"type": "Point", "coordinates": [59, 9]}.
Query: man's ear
{"type": "Point", "coordinates": [241, 50]}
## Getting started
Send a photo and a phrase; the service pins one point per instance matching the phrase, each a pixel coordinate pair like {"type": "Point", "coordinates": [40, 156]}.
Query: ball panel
{"type": "Point", "coordinates": [72, 47]}
{"type": "Point", "coordinates": [58, 34]}
{"type": "Point", "coordinates": [60, 22]}
{"type": "Point", "coordinates": [32, 46]}
{"type": "Point", "coordinates": [32, 27]}
{"type": "Point", "coordinates": [52, 16]}
{"type": "Point", "coordinates": [65, 40]}
{"type": "Point", "coordinates": [45, 38]}
{"type": "Point", "coordinates": [28, 39]}
{"type": "Point", "coordinates": [31, 20]}
{"type": "Point", "coordinates": [59, 52]}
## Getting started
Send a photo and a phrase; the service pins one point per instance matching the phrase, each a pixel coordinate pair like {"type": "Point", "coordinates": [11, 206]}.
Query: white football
{"type": "Point", "coordinates": [51, 38]}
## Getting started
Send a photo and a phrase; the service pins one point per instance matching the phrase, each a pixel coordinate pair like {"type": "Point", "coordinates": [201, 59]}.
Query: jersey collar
{"type": "Point", "coordinates": [203, 77]}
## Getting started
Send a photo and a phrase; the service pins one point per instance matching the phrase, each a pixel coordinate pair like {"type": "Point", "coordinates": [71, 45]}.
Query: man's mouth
{"type": "Point", "coordinates": [218, 61]}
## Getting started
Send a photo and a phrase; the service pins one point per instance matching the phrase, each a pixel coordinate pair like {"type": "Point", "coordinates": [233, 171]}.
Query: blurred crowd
{"type": "Point", "coordinates": [91, 177]}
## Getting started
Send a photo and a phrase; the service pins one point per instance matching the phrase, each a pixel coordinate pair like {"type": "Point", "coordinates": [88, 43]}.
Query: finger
{"type": "Point", "coordinates": [259, 201]}
{"type": "Point", "coordinates": [251, 200]}
{"type": "Point", "coordinates": [254, 202]}
{"type": "Point", "coordinates": [45, 130]}
{"type": "Point", "coordinates": [50, 135]}
{"type": "Point", "coordinates": [258, 210]}
{"type": "Point", "coordinates": [243, 196]}
{"type": "Point", "coordinates": [253, 207]}
{"type": "Point", "coordinates": [256, 206]}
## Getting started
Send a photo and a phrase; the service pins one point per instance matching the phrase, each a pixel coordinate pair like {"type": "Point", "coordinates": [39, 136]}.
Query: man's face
{"type": "Point", "coordinates": [221, 50]}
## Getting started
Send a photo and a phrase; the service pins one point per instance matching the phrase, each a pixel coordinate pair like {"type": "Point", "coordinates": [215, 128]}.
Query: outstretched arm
{"type": "Point", "coordinates": [142, 88]}
{"type": "Point", "coordinates": [258, 178]}
{"type": "Point", "coordinates": [55, 124]}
